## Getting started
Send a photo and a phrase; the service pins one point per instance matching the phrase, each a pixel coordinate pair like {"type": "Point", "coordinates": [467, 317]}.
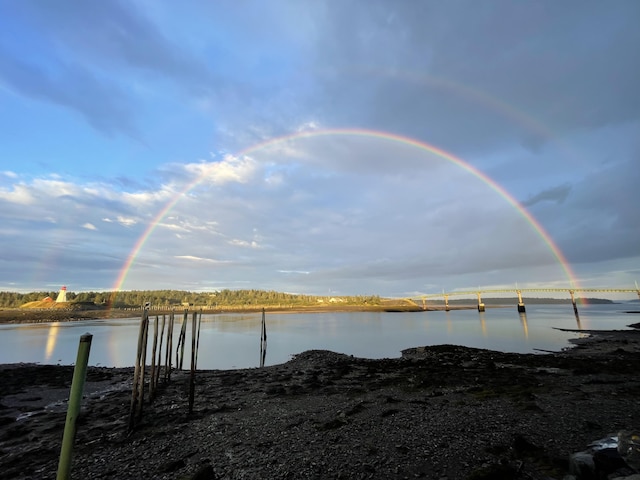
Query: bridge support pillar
{"type": "Point", "coordinates": [521, 308]}
{"type": "Point", "coordinates": [573, 302]}
{"type": "Point", "coordinates": [446, 303]}
{"type": "Point", "coordinates": [480, 304]}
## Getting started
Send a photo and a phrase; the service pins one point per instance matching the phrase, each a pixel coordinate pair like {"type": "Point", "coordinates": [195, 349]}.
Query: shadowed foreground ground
{"type": "Point", "coordinates": [438, 412]}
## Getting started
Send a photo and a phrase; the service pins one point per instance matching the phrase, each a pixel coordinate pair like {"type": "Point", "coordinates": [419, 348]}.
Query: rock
{"type": "Point", "coordinates": [581, 465]}
{"type": "Point", "coordinates": [204, 473]}
{"type": "Point", "coordinates": [172, 466]}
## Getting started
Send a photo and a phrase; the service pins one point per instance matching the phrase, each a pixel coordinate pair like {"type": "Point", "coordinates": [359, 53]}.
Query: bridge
{"type": "Point", "coordinates": [519, 292]}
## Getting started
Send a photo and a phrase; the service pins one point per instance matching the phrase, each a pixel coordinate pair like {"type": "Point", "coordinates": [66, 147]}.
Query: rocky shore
{"type": "Point", "coordinates": [442, 412]}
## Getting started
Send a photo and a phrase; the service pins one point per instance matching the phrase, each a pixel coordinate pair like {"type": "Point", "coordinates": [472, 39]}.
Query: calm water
{"type": "Point", "coordinates": [233, 341]}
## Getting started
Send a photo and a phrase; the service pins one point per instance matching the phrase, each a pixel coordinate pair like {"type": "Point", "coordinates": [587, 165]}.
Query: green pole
{"type": "Point", "coordinates": [73, 408]}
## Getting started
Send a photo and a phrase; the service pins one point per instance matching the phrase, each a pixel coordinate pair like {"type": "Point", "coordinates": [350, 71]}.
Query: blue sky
{"type": "Point", "coordinates": [109, 111]}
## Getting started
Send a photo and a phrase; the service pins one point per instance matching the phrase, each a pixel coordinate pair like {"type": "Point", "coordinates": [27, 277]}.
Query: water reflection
{"type": "Point", "coordinates": [483, 324]}
{"type": "Point", "coordinates": [525, 325]}
{"type": "Point", "coordinates": [229, 342]}
{"type": "Point", "coordinates": [52, 338]}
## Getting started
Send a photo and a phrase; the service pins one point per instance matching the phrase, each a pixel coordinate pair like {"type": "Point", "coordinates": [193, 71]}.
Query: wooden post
{"type": "Point", "coordinates": [263, 340]}
{"type": "Point", "coordinates": [192, 377]}
{"type": "Point", "coordinates": [573, 302]}
{"type": "Point", "coordinates": [135, 394]}
{"type": "Point", "coordinates": [168, 357]}
{"type": "Point", "coordinates": [181, 340]}
{"type": "Point", "coordinates": [152, 376]}
{"type": "Point", "coordinates": [160, 349]}
{"type": "Point", "coordinates": [73, 407]}
{"type": "Point", "coordinates": [143, 365]}
{"type": "Point", "coordinates": [198, 340]}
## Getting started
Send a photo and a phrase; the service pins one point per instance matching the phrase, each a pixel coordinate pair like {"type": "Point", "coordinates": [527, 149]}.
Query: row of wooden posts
{"type": "Point", "coordinates": [163, 358]}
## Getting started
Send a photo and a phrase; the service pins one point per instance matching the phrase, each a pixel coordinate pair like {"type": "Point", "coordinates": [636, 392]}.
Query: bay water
{"type": "Point", "coordinates": [231, 341]}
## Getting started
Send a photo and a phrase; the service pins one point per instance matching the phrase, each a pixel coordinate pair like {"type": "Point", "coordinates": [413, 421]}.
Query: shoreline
{"type": "Point", "coordinates": [41, 315]}
{"type": "Point", "coordinates": [439, 411]}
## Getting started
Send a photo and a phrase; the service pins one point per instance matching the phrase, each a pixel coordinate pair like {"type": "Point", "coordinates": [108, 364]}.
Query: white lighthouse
{"type": "Point", "coordinates": [62, 295]}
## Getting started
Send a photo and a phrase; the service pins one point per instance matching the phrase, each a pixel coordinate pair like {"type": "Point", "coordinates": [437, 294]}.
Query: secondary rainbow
{"type": "Point", "coordinates": [539, 229]}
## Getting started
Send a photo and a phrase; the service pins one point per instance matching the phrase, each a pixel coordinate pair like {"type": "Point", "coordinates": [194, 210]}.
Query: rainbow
{"type": "Point", "coordinates": [539, 229]}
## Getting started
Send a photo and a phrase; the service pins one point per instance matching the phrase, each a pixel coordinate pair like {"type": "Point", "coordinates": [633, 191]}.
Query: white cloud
{"type": "Point", "coordinates": [229, 169]}
{"type": "Point", "coordinates": [244, 243]}
{"type": "Point", "coordinates": [126, 221]}
{"type": "Point", "coordinates": [193, 258]}
{"type": "Point", "coordinates": [89, 226]}
{"type": "Point", "coordinates": [20, 194]}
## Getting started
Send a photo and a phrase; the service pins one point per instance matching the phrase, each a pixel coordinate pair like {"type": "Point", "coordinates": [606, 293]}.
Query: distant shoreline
{"type": "Point", "coordinates": [42, 315]}
{"type": "Point", "coordinates": [53, 314]}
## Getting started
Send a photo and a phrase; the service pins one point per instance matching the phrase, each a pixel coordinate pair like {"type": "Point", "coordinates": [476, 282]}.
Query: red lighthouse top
{"type": "Point", "coordinates": [63, 287]}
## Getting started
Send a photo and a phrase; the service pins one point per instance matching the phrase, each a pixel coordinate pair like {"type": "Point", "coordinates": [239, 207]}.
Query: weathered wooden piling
{"type": "Point", "coordinates": [198, 339]}
{"type": "Point", "coordinates": [263, 339]}
{"type": "Point", "coordinates": [152, 375]}
{"type": "Point", "coordinates": [168, 357]}
{"type": "Point", "coordinates": [446, 303]}
{"type": "Point", "coordinates": [573, 302]}
{"type": "Point", "coordinates": [137, 395]}
{"type": "Point", "coordinates": [143, 366]}
{"type": "Point", "coordinates": [182, 340]}
{"type": "Point", "coordinates": [192, 376]}
{"type": "Point", "coordinates": [73, 407]}
{"type": "Point", "coordinates": [157, 377]}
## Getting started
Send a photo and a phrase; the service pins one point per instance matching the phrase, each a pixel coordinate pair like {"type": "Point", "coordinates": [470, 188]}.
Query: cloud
{"type": "Point", "coordinates": [555, 195]}
{"type": "Point", "coordinates": [467, 78]}
{"type": "Point", "coordinates": [541, 99]}
{"type": "Point", "coordinates": [244, 243]}
{"type": "Point", "coordinates": [19, 194]}
{"type": "Point", "coordinates": [104, 106]}
{"type": "Point", "coordinates": [200, 259]}
{"type": "Point", "coordinates": [126, 221]}
{"type": "Point", "coordinates": [229, 169]}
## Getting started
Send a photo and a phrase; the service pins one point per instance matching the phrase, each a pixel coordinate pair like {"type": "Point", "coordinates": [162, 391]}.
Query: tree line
{"type": "Point", "coordinates": [177, 298]}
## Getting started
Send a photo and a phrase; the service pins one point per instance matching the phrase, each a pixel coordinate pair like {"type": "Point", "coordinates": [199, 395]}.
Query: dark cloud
{"type": "Point", "coordinates": [469, 75]}
{"type": "Point", "coordinates": [599, 220]}
{"type": "Point", "coordinates": [555, 195]}
{"type": "Point", "coordinates": [115, 33]}
{"type": "Point", "coordinates": [103, 105]}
